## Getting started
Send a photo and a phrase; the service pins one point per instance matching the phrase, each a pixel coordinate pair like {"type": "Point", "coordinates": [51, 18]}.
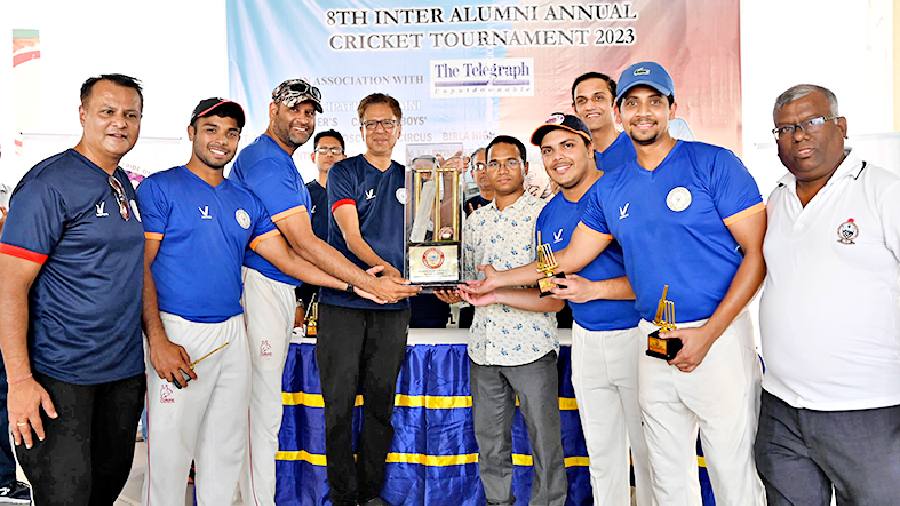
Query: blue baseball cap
{"type": "Point", "coordinates": [645, 73]}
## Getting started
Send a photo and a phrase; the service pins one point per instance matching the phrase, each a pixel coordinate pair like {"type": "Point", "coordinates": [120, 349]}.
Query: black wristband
{"type": "Point", "coordinates": [349, 288]}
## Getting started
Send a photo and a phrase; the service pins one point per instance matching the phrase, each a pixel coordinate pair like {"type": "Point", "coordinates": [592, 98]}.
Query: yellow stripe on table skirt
{"type": "Point", "coordinates": [519, 459]}
{"type": "Point", "coordinates": [409, 401]}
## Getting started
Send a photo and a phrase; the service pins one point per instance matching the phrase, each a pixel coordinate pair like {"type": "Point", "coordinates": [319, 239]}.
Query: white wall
{"type": "Point", "coordinates": [178, 49]}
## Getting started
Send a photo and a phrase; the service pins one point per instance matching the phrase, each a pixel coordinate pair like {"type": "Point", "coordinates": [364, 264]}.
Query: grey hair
{"type": "Point", "coordinates": [801, 90]}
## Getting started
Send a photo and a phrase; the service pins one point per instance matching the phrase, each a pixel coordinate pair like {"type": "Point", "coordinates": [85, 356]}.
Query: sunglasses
{"type": "Point", "coordinates": [119, 192]}
{"type": "Point", "coordinates": [306, 89]}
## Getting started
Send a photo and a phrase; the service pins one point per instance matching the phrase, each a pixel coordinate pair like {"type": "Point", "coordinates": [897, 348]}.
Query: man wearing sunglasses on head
{"type": "Point", "coordinates": [267, 169]}
{"type": "Point", "coordinates": [70, 324]}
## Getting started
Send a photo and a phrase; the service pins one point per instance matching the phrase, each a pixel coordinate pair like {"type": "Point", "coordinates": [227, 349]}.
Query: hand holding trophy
{"type": "Point", "coordinates": [657, 345]}
{"type": "Point", "coordinates": [546, 265]}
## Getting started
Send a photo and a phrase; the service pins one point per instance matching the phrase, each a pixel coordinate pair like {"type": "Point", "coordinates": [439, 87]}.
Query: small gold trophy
{"type": "Point", "coordinates": [546, 264]}
{"type": "Point", "coordinates": [658, 346]}
{"type": "Point", "coordinates": [311, 319]}
{"type": "Point", "coordinates": [185, 376]}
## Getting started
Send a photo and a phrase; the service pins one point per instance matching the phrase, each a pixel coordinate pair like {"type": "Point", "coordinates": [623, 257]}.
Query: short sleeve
{"type": "Point", "coordinates": [263, 227]}
{"type": "Point", "coordinates": [154, 206]}
{"type": "Point", "coordinates": [734, 190]}
{"type": "Point", "coordinates": [890, 218]}
{"type": "Point", "coordinates": [35, 223]}
{"type": "Point", "coordinates": [279, 188]}
{"type": "Point", "coordinates": [593, 216]}
{"type": "Point", "coordinates": [341, 186]}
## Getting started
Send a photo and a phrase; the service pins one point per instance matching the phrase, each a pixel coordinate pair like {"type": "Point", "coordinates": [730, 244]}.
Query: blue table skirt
{"type": "Point", "coordinates": [434, 458]}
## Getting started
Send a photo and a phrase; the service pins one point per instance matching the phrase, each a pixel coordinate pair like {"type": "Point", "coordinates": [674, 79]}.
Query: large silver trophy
{"type": "Point", "coordinates": [433, 224]}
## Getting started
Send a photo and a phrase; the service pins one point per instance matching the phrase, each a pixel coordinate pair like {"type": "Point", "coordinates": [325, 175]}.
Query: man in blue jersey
{"type": "Point", "coordinates": [687, 215]}
{"type": "Point", "coordinates": [70, 324]}
{"type": "Point", "coordinates": [606, 342]}
{"type": "Point", "coordinates": [361, 343]}
{"type": "Point", "coordinates": [197, 227]}
{"type": "Point", "coordinates": [592, 101]}
{"type": "Point", "coordinates": [266, 168]}
{"type": "Point", "coordinates": [328, 149]}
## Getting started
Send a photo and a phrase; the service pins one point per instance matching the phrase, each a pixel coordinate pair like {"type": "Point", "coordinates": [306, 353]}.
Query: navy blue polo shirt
{"type": "Point", "coordinates": [203, 232]}
{"type": "Point", "coordinates": [379, 198]}
{"type": "Point", "coordinates": [556, 223]}
{"type": "Point", "coordinates": [620, 152]}
{"type": "Point", "coordinates": [672, 223]}
{"type": "Point", "coordinates": [319, 210]}
{"type": "Point", "coordinates": [269, 173]}
{"type": "Point", "coordinates": [85, 304]}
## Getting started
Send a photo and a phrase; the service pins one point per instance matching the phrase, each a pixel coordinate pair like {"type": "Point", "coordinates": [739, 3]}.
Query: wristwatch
{"type": "Point", "coordinates": [349, 288]}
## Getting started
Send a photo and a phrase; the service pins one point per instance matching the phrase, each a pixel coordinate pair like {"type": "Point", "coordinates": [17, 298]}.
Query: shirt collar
{"type": "Point", "coordinates": [850, 167]}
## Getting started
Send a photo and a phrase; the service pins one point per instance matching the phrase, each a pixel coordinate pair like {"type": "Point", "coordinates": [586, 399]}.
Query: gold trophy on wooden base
{"type": "Point", "coordinates": [311, 319]}
{"type": "Point", "coordinates": [658, 346]}
{"type": "Point", "coordinates": [546, 265]}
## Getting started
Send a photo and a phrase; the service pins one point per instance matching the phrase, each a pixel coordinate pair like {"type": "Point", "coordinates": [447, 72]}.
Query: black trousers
{"type": "Point", "coordinates": [359, 347]}
{"type": "Point", "coordinates": [87, 454]}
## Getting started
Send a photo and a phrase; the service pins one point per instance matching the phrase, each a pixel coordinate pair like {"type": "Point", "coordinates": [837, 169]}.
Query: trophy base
{"type": "Point", "coordinates": [312, 330]}
{"type": "Point", "coordinates": [545, 284]}
{"type": "Point", "coordinates": [437, 287]}
{"type": "Point", "coordinates": [662, 348]}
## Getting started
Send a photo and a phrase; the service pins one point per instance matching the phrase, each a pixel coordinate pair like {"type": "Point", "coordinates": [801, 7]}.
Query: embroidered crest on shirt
{"type": "Point", "coordinates": [848, 231]}
{"type": "Point", "coordinates": [166, 394]}
{"type": "Point", "coordinates": [313, 210]}
{"type": "Point", "coordinates": [679, 198]}
{"type": "Point", "coordinates": [204, 213]}
{"type": "Point", "coordinates": [134, 208]}
{"type": "Point", "coordinates": [370, 194]}
{"type": "Point", "coordinates": [265, 348]}
{"type": "Point", "coordinates": [242, 218]}
{"type": "Point", "coordinates": [401, 195]}
{"type": "Point", "coordinates": [101, 210]}
{"type": "Point", "coordinates": [623, 211]}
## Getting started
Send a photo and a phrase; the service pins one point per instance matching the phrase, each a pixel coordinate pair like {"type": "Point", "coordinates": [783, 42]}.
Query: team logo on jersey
{"type": "Point", "coordinates": [101, 210]}
{"type": "Point", "coordinates": [401, 195]}
{"type": "Point", "coordinates": [265, 348]}
{"type": "Point", "coordinates": [623, 211]}
{"type": "Point", "coordinates": [166, 394]}
{"type": "Point", "coordinates": [204, 213]}
{"type": "Point", "coordinates": [433, 258]}
{"type": "Point", "coordinates": [558, 236]}
{"type": "Point", "coordinates": [679, 198]}
{"type": "Point", "coordinates": [313, 210]}
{"type": "Point", "coordinates": [848, 231]}
{"type": "Point", "coordinates": [370, 194]}
{"type": "Point", "coordinates": [242, 218]}
{"type": "Point", "coordinates": [134, 208]}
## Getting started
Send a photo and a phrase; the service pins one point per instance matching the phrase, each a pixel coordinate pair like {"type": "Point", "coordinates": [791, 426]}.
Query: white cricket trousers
{"type": "Point", "coordinates": [720, 398]}
{"type": "Point", "coordinates": [605, 379]}
{"type": "Point", "coordinates": [205, 422]}
{"type": "Point", "coordinates": [269, 308]}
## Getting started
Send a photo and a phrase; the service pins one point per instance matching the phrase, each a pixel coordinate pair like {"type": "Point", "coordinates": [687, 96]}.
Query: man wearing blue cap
{"type": "Point", "coordinates": [690, 216]}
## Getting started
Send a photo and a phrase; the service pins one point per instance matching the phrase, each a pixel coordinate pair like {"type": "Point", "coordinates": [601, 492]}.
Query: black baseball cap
{"type": "Point", "coordinates": [216, 106]}
{"type": "Point", "coordinates": [560, 121]}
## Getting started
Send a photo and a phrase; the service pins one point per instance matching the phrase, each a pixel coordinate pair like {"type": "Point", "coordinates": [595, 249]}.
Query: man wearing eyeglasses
{"type": "Point", "coordinates": [479, 175]}
{"type": "Point", "coordinates": [688, 215]}
{"type": "Point", "coordinates": [328, 149]}
{"type": "Point", "coordinates": [361, 343]}
{"type": "Point", "coordinates": [70, 324]}
{"type": "Point", "coordinates": [830, 330]}
{"type": "Point", "coordinates": [513, 344]}
{"type": "Point", "coordinates": [593, 95]}
{"type": "Point", "coordinates": [267, 169]}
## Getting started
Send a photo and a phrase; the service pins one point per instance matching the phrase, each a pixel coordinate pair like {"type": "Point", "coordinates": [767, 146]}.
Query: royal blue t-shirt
{"type": "Point", "coordinates": [85, 304]}
{"type": "Point", "coordinates": [672, 225]}
{"type": "Point", "coordinates": [319, 210]}
{"type": "Point", "coordinates": [379, 198]}
{"type": "Point", "coordinates": [270, 174]}
{"type": "Point", "coordinates": [556, 223]}
{"type": "Point", "coordinates": [204, 233]}
{"type": "Point", "coordinates": [620, 152]}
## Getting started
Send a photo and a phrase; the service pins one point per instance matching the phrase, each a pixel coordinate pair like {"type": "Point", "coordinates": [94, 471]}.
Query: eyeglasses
{"type": "Point", "coordinates": [119, 192]}
{"type": "Point", "coordinates": [330, 151]}
{"type": "Point", "coordinates": [306, 89]}
{"type": "Point", "coordinates": [510, 163]}
{"type": "Point", "coordinates": [808, 126]}
{"type": "Point", "coordinates": [479, 167]}
{"type": "Point", "coordinates": [387, 124]}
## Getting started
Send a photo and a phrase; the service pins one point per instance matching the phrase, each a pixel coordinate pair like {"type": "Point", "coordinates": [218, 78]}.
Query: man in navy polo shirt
{"type": "Point", "coordinates": [197, 227]}
{"type": "Point", "coordinates": [592, 101]}
{"type": "Point", "coordinates": [267, 169]}
{"type": "Point", "coordinates": [70, 321]}
{"type": "Point", "coordinates": [606, 341]}
{"type": "Point", "coordinates": [361, 342]}
{"type": "Point", "coordinates": [687, 215]}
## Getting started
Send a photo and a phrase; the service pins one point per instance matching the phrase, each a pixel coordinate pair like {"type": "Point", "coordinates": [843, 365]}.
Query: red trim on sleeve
{"type": "Point", "coordinates": [23, 253]}
{"type": "Point", "coordinates": [341, 202]}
